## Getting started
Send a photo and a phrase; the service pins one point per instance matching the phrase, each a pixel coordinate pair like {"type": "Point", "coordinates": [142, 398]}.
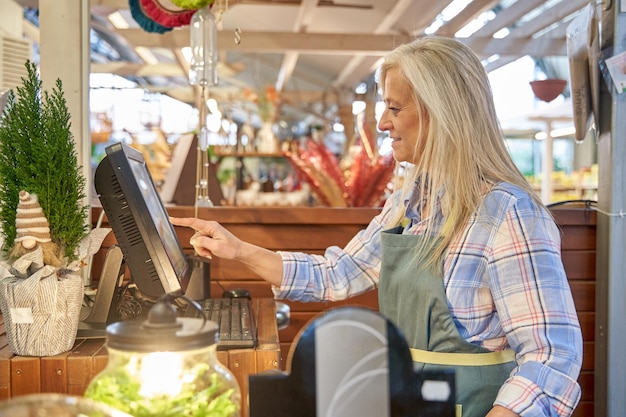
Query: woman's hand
{"type": "Point", "coordinates": [210, 238]}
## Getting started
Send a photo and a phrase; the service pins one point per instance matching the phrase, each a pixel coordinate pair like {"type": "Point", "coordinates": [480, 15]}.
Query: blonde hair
{"type": "Point", "coordinates": [464, 152]}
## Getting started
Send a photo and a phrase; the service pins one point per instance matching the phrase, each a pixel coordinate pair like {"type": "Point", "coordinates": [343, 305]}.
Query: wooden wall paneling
{"type": "Point", "coordinates": [580, 264]}
{"type": "Point", "coordinates": [54, 373]}
{"type": "Point", "coordinates": [257, 288]}
{"type": "Point", "coordinates": [100, 359]}
{"type": "Point", "coordinates": [25, 375]}
{"type": "Point", "coordinates": [268, 356]}
{"type": "Point", "coordinates": [242, 363]}
{"type": "Point", "coordinates": [584, 293]}
{"type": "Point", "coordinates": [584, 409]}
{"type": "Point", "coordinates": [5, 363]}
{"type": "Point", "coordinates": [579, 259]}
{"type": "Point", "coordinates": [588, 355]}
{"type": "Point", "coordinates": [80, 365]}
{"type": "Point", "coordinates": [5, 372]}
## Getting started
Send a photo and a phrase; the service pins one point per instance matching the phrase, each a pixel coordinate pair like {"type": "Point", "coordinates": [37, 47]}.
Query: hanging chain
{"type": "Point", "coordinates": [203, 158]}
{"type": "Point", "coordinates": [222, 8]}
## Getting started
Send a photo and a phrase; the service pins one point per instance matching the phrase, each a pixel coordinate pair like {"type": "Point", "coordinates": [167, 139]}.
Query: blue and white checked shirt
{"type": "Point", "coordinates": [505, 285]}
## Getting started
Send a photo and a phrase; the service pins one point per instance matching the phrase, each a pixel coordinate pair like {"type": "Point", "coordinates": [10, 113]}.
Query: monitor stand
{"type": "Point", "coordinates": [199, 286]}
{"type": "Point", "coordinates": [105, 303]}
{"type": "Point", "coordinates": [104, 309]}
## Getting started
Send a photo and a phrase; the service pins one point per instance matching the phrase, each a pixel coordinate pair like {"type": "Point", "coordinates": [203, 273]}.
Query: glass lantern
{"type": "Point", "coordinates": [203, 40]}
{"type": "Point", "coordinates": [166, 366]}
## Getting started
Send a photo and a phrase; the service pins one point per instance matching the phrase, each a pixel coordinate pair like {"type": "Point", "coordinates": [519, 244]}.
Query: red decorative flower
{"type": "Point", "coordinates": [362, 183]}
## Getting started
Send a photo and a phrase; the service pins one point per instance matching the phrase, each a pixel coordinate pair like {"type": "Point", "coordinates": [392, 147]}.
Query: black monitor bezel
{"type": "Point", "coordinates": [151, 268]}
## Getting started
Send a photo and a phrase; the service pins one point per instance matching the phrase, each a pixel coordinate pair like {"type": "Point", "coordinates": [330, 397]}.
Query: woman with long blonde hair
{"type": "Point", "coordinates": [465, 256]}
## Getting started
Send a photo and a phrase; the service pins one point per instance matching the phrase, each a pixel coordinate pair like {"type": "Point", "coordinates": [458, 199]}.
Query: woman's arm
{"type": "Point", "coordinates": [537, 313]}
{"type": "Point", "coordinates": [338, 274]}
{"type": "Point", "coordinates": [213, 239]}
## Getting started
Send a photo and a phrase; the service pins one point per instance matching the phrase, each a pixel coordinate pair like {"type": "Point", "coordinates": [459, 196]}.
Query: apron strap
{"type": "Point", "coordinates": [463, 359]}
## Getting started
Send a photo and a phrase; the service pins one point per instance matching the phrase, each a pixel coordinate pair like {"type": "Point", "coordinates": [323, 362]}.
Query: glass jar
{"type": "Point", "coordinates": [166, 366]}
{"type": "Point", "coordinates": [203, 42]}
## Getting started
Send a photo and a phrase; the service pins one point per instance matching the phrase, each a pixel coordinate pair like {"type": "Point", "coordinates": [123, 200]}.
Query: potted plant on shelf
{"type": "Point", "coordinates": [267, 101]}
{"type": "Point", "coordinates": [362, 178]}
{"type": "Point", "coordinates": [45, 237]}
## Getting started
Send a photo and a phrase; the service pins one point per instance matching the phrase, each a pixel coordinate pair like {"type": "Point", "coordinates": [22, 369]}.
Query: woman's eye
{"type": "Point", "coordinates": [394, 110]}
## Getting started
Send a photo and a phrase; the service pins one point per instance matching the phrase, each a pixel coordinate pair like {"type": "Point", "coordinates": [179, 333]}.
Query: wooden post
{"type": "Point", "coordinates": [65, 54]}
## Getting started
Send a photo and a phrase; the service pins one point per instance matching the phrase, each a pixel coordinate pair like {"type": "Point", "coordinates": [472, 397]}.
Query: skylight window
{"type": "Point", "coordinates": [447, 14]}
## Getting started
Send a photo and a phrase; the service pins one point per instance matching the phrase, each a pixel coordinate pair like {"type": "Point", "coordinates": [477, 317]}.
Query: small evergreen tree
{"type": "Point", "coordinates": [37, 154]}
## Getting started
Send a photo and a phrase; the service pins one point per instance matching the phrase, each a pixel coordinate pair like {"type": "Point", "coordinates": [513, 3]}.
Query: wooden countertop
{"type": "Point", "coordinates": [70, 372]}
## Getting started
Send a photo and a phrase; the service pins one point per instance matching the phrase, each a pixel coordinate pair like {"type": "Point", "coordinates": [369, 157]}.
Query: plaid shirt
{"type": "Point", "coordinates": [505, 285]}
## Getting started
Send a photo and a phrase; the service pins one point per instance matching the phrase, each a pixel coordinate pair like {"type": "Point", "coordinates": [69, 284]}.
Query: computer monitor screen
{"type": "Point", "coordinates": [138, 218]}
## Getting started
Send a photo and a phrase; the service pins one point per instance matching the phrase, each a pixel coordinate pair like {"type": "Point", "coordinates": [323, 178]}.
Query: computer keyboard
{"type": "Point", "coordinates": [234, 317]}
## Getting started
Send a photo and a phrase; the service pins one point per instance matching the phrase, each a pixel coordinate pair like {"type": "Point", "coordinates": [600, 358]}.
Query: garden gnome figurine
{"type": "Point", "coordinates": [33, 230]}
{"type": "Point", "coordinates": [30, 222]}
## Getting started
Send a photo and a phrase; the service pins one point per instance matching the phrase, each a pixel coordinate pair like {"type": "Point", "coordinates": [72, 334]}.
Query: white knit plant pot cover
{"type": "Point", "coordinates": [41, 304]}
{"type": "Point", "coordinates": [41, 312]}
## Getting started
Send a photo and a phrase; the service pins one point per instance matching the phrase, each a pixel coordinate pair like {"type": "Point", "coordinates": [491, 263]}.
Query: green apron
{"type": "Point", "coordinates": [414, 300]}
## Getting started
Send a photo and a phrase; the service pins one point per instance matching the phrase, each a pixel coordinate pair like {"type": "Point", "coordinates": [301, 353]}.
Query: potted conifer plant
{"type": "Point", "coordinates": [45, 236]}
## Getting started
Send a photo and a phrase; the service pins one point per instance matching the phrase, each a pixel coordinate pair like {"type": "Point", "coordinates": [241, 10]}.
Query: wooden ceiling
{"type": "Point", "coordinates": [315, 52]}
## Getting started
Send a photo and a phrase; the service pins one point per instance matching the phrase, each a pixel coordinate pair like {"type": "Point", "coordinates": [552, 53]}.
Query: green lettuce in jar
{"type": "Point", "coordinates": [206, 395]}
{"type": "Point", "coordinates": [166, 366]}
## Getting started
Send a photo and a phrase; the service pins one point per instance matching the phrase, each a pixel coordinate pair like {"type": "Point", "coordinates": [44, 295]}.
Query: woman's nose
{"type": "Point", "coordinates": [384, 124]}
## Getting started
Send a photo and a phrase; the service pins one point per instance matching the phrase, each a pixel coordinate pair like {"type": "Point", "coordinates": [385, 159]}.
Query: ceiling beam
{"type": "Point", "coordinates": [341, 44]}
{"type": "Point", "coordinates": [508, 17]}
{"type": "Point", "coordinates": [275, 42]}
{"type": "Point", "coordinates": [303, 19]}
{"type": "Point", "coordinates": [388, 22]}
{"type": "Point", "coordinates": [186, 94]}
{"type": "Point", "coordinates": [472, 11]}
{"type": "Point", "coordinates": [555, 14]}
{"type": "Point", "coordinates": [423, 13]}
{"type": "Point", "coordinates": [140, 70]}
{"type": "Point", "coordinates": [290, 59]}
{"type": "Point", "coordinates": [519, 47]}
{"type": "Point", "coordinates": [509, 46]}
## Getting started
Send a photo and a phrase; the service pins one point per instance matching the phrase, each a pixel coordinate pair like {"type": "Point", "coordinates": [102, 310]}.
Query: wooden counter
{"type": "Point", "coordinates": [71, 372]}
